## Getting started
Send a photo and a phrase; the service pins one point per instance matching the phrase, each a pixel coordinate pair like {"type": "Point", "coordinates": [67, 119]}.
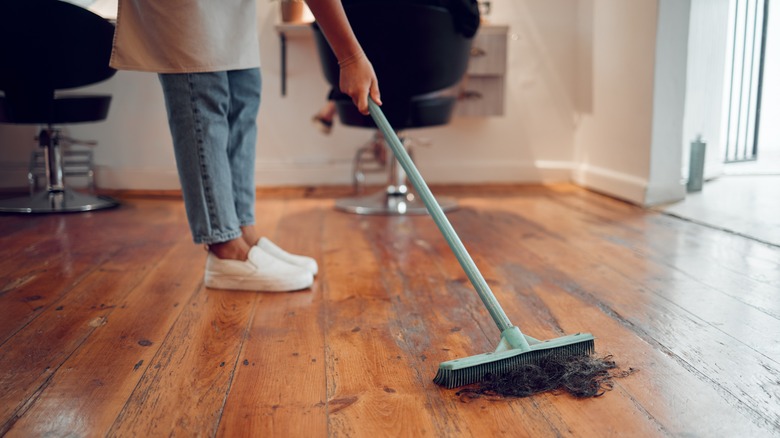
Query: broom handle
{"type": "Point", "coordinates": [468, 265]}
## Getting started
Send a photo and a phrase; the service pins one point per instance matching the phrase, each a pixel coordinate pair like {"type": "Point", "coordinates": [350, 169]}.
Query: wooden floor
{"type": "Point", "coordinates": [106, 328]}
{"type": "Point", "coordinates": [744, 204]}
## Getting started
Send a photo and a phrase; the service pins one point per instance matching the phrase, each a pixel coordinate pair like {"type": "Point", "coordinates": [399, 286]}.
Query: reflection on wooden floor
{"type": "Point", "coordinates": [106, 328]}
{"type": "Point", "coordinates": [743, 204]}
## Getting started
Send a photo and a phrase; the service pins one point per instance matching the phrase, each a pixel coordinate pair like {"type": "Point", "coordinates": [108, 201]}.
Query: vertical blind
{"type": "Point", "coordinates": [744, 76]}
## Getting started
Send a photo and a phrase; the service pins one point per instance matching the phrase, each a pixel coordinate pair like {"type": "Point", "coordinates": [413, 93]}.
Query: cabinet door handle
{"type": "Point", "coordinates": [470, 95]}
{"type": "Point", "coordinates": [477, 52]}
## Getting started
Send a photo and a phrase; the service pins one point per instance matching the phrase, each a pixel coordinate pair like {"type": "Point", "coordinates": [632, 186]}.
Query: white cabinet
{"type": "Point", "coordinates": [481, 93]}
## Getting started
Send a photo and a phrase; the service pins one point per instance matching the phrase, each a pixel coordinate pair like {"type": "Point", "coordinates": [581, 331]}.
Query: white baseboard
{"type": "Point", "coordinates": [114, 178]}
{"type": "Point", "coordinates": [609, 182]}
{"type": "Point", "coordinates": [612, 183]}
{"type": "Point", "coordinates": [302, 174]}
{"type": "Point", "coordinates": [267, 174]}
{"type": "Point", "coordinates": [664, 194]}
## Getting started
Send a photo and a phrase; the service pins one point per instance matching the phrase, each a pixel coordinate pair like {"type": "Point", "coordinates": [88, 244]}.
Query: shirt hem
{"type": "Point", "coordinates": [202, 69]}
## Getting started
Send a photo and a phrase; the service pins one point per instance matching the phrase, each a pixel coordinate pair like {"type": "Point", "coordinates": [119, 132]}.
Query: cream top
{"type": "Point", "coordinates": [186, 36]}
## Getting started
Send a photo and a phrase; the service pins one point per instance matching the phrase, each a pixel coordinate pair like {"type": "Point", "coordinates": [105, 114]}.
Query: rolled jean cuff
{"type": "Point", "coordinates": [217, 237]}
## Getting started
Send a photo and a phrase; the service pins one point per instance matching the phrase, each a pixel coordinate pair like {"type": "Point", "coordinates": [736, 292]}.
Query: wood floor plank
{"type": "Point", "coordinates": [745, 269]}
{"type": "Point", "coordinates": [50, 339]}
{"type": "Point", "coordinates": [46, 238]}
{"type": "Point", "coordinates": [433, 322]}
{"type": "Point", "coordinates": [598, 281]}
{"type": "Point", "coordinates": [69, 248]}
{"type": "Point", "coordinates": [183, 390]}
{"type": "Point", "coordinates": [371, 389]}
{"type": "Point", "coordinates": [522, 300]}
{"type": "Point", "coordinates": [280, 389]}
{"type": "Point", "coordinates": [693, 308]}
{"type": "Point", "coordinates": [32, 256]}
{"type": "Point", "coordinates": [13, 224]}
{"type": "Point", "coordinates": [40, 287]}
{"type": "Point", "coordinates": [758, 324]}
{"type": "Point", "coordinates": [91, 387]}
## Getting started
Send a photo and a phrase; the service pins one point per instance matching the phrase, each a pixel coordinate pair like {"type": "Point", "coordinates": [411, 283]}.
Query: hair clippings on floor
{"type": "Point", "coordinates": [580, 376]}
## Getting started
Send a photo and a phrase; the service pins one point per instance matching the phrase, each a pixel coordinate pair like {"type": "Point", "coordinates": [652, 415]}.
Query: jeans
{"type": "Point", "coordinates": [213, 122]}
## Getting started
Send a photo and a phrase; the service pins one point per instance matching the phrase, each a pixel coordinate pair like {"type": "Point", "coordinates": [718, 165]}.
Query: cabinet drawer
{"type": "Point", "coordinates": [488, 54]}
{"type": "Point", "coordinates": [481, 96]}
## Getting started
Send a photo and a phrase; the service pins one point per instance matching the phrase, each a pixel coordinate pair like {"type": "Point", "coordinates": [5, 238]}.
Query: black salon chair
{"type": "Point", "coordinates": [417, 55]}
{"type": "Point", "coordinates": [47, 46]}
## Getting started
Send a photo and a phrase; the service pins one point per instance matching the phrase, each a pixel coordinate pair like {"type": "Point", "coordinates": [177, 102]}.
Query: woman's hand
{"type": "Point", "coordinates": [357, 78]}
{"type": "Point", "coordinates": [358, 81]}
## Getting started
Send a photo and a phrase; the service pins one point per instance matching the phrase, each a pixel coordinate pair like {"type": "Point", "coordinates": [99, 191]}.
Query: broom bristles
{"type": "Point", "coordinates": [503, 363]}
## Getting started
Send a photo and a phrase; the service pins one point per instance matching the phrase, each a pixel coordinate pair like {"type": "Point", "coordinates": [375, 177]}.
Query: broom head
{"type": "Point", "coordinates": [472, 369]}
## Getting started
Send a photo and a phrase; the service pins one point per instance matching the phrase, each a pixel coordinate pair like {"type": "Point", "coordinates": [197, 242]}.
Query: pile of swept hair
{"type": "Point", "coordinates": [581, 376]}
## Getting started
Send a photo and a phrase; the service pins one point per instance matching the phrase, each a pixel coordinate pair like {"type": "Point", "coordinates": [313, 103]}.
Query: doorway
{"type": "Point", "coordinates": [753, 138]}
{"type": "Point", "coordinates": [735, 46]}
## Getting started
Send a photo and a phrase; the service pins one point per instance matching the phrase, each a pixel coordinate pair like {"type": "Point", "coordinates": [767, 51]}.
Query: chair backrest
{"type": "Point", "coordinates": [414, 48]}
{"type": "Point", "coordinates": [46, 45]}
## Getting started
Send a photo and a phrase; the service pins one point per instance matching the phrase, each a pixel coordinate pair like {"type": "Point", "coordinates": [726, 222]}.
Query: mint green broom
{"type": "Point", "coordinates": [514, 348]}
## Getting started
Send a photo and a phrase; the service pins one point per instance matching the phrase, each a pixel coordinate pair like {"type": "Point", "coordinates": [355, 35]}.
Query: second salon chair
{"type": "Point", "coordinates": [47, 46]}
{"type": "Point", "coordinates": [418, 56]}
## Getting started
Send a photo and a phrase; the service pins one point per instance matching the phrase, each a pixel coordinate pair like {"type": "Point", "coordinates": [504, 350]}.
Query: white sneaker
{"type": "Point", "coordinates": [307, 263]}
{"type": "Point", "coordinates": [260, 272]}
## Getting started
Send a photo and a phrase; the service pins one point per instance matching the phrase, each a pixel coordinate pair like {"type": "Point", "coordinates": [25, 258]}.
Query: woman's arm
{"type": "Point", "coordinates": [357, 78]}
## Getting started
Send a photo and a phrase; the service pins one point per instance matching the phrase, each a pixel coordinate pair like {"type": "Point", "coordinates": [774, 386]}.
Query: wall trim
{"type": "Point", "coordinates": [609, 182]}
{"type": "Point", "coordinates": [664, 193]}
{"type": "Point", "coordinates": [339, 173]}
{"type": "Point", "coordinates": [617, 184]}
{"type": "Point", "coordinates": [107, 177]}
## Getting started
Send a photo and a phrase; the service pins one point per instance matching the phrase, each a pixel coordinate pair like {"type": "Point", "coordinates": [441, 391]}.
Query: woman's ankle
{"type": "Point", "coordinates": [236, 249]}
{"type": "Point", "coordinates": [250, 236]}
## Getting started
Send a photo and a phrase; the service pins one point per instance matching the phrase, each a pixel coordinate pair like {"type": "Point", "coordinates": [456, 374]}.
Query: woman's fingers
{"type": "Point", "coordinates": [358, 80]}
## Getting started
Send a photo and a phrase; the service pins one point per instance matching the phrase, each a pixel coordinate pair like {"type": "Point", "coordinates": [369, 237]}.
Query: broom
{"type": "Point", "coordinates": [514, 349]}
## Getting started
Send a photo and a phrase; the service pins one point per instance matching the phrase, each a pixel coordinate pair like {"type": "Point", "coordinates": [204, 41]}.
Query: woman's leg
{"type": "Point", "coordinates": [216, 166]}
{"type": "Point", "coordinates": [198, 105]}
{"type": "Point", "coordinates": [245, 91]}
{"type": "Point", "coordinates": [324, 117]}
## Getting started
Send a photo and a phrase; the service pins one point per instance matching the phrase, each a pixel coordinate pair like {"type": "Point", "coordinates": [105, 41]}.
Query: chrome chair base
{"type": "Point", "coordinates": [390, 204]}
{"type": "Point", "coordinates": [398, 198]}
{"type": "Point", "coordinates": [56, 201]}
{"type": "Point", "coordinates": [56, 198]}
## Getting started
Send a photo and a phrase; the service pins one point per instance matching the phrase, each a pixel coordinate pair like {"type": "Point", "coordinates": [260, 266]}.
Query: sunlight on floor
{"type": "Point", "coordinates": [745, 204]}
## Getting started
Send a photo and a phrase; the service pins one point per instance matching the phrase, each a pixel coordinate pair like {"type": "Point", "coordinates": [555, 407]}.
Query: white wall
{"type": "Point", "coordinates": [706, 76]}
{"type": "Point", "coordinates": [665, 183]}
{"type": "Point", "coordinates": [769, 130]}
{"type": "Point", "coordinates": [612, 141]}
{"type": "Point", "coordinates": [532, 142]}
{"type": "Point", "coordinates": [580, 105]}
{"type": "Point", "coordinates": [628, 145]}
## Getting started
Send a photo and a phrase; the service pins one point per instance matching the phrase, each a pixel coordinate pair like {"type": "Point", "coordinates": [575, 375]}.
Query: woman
{"type": "Point", "coordinates": [207, 56]}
